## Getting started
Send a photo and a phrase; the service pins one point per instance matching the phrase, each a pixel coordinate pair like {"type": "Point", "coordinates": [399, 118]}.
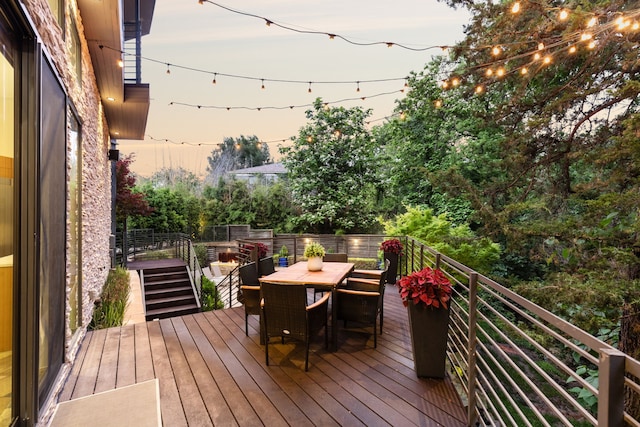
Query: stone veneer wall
{"type": "Point", "coordinates": [96, 168]}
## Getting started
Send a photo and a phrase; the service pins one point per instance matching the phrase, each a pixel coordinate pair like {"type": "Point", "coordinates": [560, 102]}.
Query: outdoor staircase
{"type": "Point", "coordinates": [168, 292]}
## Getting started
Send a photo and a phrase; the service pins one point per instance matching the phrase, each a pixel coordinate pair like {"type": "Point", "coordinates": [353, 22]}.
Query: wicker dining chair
{"type": "Point", "coordinates": [249, 292]}
{"type": "Point", "coordinates": [362, 301]}
{"type": "Point", "coordinates": [266, 266]}
{"type": "Point", "coordinates": [285, 314]}
{"type": "Point", "coordinates": [335, 257]}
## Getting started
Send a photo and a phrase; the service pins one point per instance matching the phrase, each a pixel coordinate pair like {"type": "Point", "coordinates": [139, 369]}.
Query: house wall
{"type": "Point", "coordinates": [96, 169]}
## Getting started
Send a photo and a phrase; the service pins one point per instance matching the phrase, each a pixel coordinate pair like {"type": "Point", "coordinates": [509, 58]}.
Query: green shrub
{"type": "Point", "coordinates": [210, 297]}
{"type": "Point", "coordinates": [455, 241]}
{"type": "Point", "coordinates": [201, 254]}
{"type": "Point", "coordinates": [109, 309]}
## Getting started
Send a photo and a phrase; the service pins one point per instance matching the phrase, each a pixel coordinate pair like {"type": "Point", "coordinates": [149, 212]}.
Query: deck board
{"type": "Point", "coordinates": [210, 373]}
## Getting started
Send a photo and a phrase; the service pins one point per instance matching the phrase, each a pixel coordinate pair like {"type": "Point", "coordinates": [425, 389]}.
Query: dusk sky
{"type": "Point", "coordinates": [208, 39]}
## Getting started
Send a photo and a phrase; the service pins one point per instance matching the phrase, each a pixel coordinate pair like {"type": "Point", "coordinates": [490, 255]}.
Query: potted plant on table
{"type": "Point", "coordinates": [392, 249]}
{"type": "Point", "coordinates": [426, 294]}
{"type": "Point", "coordinates": [314, 252]}
{"type": "Point", "coordinates": [283, 256]}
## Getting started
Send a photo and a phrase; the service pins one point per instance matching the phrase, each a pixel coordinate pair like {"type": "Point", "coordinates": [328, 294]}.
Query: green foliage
{"type": "Point", "coordinates": [174, 211]}
{"type": "Point", "coordinates": [592, 302]}
{"type": "Point", "coordinates": [333, 171]}
{"type": "Point", "coordinates": [314, 249]}
{"type": "Point", "coordinates": [109, 310]}
{"type": "Point", "coordinates": [210, 296]}
{"type": "Point", "coordinates": [261, 206]}
{"type": "Point", "coordinates": [201, 254]}
{"type": "Point", "coordinates": [455, 241]}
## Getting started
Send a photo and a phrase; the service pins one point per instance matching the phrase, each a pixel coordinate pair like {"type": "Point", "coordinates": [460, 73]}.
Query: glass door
{"type": "Point", "coordinates": [7, 220]}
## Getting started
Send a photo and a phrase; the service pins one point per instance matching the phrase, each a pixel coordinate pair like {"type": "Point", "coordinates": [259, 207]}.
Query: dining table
{"type": "Point", "coordinates": [329, 278]}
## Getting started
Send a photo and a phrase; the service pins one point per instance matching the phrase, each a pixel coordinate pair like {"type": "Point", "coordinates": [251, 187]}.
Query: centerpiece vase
{"type": "Point", "coordinates": [429, 332]}
{"type": "Point", "coordinates": [314, 263]}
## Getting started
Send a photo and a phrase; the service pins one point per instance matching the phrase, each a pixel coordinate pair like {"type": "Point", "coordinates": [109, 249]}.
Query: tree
{"type": "Point", "coordinates": [333, 170]}
{"type": "Point", "coordinates": [178, 179]}
{"type": "Point", "coordinates": [236, 153]}
{"type": "Point", "coordinates": [129, 202]}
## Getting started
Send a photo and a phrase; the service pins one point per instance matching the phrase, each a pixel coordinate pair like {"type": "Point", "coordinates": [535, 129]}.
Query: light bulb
{"type": "Point", "coordinates": [536, 57]}
{"type": "Point", "coordinates": [547, 59]}
{"type": "Point", "coordinates": [572, 49]}
{"type": "Point", "coordinates": [500, 72]}
{"type": "Point", "coordinates": [438, 103]}
{"type": "Point", "coordinates": [563, 15]}
{"type": "Point", "coordinates": [488, 72]}
{"type": "Point", "coordinates": [262, 85]}
{"type": "Point", "coordinates": [516, 7]}
{"type": "Point", "coordinates": [496, 51]}
{"type": "Point", "coordinates": [540, 46]}
{"type": "Point", "coordinates": [523, 70]}
{"type": "Point", "coordinates": [586, 36]}
{"type": "Point", "coordinates": [455, 81]}
{"type": "Point", "coordinates": [592, 22]}
{"type": "Point", "coordinates": [479, 89]}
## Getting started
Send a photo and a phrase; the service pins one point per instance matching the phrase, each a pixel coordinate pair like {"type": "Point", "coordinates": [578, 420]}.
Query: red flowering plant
{"type": "Point", "coordinates": [427, 287]}
{"type": "Point", "coordinates": [392, 245]}
{"type": "Point", "coordinates": [262, 249]}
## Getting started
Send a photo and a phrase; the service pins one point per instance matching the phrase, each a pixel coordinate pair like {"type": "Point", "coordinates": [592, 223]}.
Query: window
{"type": "Point", "coordinates": [75, 223]}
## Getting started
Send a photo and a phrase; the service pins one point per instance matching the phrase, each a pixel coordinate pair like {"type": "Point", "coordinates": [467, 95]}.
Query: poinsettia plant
{"type": "Point", "coordinates": [428, 287]}
{"type": "Point", "coordinates": [392, 245]}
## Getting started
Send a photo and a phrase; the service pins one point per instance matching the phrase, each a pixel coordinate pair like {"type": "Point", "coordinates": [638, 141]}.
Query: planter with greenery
{"type": "Point", "coordinates": [314, 252]}
{"type": "Point", "coordinates": [109, 309]}
{"type": "Point", "coordinates": [283, 257]}
{"type": "Point", "coordinates": [392, 249]}
{"type": "Point", "coordinates": [426, 294]}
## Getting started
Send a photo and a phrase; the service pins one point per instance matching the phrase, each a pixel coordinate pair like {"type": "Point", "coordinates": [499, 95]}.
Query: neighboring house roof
{"type": "Point", "coordinates": [269, 168]}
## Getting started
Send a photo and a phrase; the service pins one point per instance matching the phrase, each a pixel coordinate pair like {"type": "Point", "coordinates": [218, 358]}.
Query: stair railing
{"type": "Point", "coordinates": [185, 251]}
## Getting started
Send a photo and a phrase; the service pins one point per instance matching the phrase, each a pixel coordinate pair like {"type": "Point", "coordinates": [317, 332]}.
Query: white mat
{"type": "Point", "coordinates": [137, 405]}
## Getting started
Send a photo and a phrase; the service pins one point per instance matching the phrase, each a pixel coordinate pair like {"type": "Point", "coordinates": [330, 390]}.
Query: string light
{"type": "Point", "coordinates": [331, 36]}
{"type": "Point", "coordinates": [516, 7]}
{"type": "Point", "coordinates": [168, 69]}
{"type": "Point", "coordinates": [563, 15]}
{"type": "Point", "coordinates": [592, 22]}
{"type": "Point", "coordinates": [309, 90]}
{"type": "Point", "coordinates": [214, 78]}
{"type": "Point", "coordinates": [479, 89]}
{"type": "Point", "coordinates": [540, 46]}
{"type": "Point", "coordinates": [572, 49]}
{"type": "Point", "coordinates": [262, 87]}
{"type": "Point", "coordinates": [496, 51]}
{"type": "Point", "coordinates": [358, 87]}
{"type": "Point", "coordinates": [547, 60]}
{"type": "Point", "coordinates": [437, 103]}
{"type": "Point", "coordinates": [523, 70]}
{"type": "Point", "coordinates": [285, 107]}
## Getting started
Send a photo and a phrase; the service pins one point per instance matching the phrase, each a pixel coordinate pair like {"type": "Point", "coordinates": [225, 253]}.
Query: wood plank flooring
{"type": "Point", "coordinates": [210, 373]}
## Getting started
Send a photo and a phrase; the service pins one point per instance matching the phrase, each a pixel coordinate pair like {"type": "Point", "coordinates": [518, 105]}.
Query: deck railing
{"type": "Point", "coordinates": [517, 364]}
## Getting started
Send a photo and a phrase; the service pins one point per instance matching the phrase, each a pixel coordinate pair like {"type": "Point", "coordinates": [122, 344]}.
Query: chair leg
{"type": "Point", "coordinates": [246, 324]}
{"type": "Point", "coordinates": [375, 334]}
{"type": "Point", "coordinates": [266, 349]}
{"type": "Point", "coordinates": [306, 357]}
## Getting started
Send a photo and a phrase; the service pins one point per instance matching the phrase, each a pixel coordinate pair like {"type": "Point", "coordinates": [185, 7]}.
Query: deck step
{"type": "Point", "coordinates": [165, 312]}
{"type": "Point", "coordinates": [168, 292]}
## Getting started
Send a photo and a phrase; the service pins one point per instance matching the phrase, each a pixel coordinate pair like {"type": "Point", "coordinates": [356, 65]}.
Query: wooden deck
{"type": "Point", "coordinates": [210, 373]}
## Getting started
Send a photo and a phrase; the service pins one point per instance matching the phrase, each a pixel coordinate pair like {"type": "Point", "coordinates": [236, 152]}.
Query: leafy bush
{"type": "Point", "coordinates": [201, 254]}
{"type": "Point", "coordinates": [109, 309]}
{"type": "Point", "coordinates": [455, 241]}
{"type": "Point", "coordinates": [210, 295]}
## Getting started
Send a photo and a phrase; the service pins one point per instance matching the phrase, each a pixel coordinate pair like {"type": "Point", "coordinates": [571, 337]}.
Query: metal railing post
{"type": "Point", "coordinates": [437, 266]}
{"type": "Point", "coordinates": [611, 388]}
{"type": "Point", "coordinates": [471, 349]}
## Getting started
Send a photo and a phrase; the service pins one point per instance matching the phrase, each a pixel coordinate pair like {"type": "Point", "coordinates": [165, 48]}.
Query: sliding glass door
{"type": "Point", "coordinates": [7, 220]}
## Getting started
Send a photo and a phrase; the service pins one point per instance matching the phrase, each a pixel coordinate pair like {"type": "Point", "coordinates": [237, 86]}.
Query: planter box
{"type": "Point", "coordinates": [429, 332]}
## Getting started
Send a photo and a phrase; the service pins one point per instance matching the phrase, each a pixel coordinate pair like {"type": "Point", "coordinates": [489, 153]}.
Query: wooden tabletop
{"type": "Point", "coordinates": [332, 274]}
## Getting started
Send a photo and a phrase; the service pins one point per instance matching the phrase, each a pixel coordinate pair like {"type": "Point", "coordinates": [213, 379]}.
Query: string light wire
{"type": "Point", "coordinates": [331, 36]}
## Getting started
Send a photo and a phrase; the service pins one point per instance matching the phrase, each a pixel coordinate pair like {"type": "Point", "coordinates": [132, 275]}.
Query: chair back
{"type": "Point", "coordinates": [335, 258]}
{"type": "Point", "coordinates": [285, 310]}
{"type": "Point", "coordinates": [266, 266]}
{"type": "Point", "coordinates": [249, 274]}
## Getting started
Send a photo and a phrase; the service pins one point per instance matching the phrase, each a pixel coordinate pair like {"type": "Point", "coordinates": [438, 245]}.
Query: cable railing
{"type": "Point", "coordinates": [520, 364]}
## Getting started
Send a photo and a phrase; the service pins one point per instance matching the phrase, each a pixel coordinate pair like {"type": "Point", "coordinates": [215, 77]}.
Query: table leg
{"type": "Point", "coordinates": [334, 319]}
